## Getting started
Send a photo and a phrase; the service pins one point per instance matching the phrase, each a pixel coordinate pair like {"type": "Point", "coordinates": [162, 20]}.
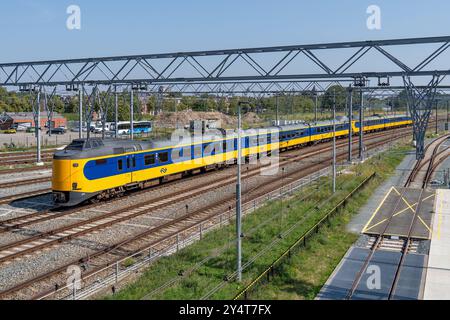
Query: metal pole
{"type": "Point", "coordinates": [278, 111]}
{"type": "Point", "coordinates": [132, 115]}
{"type": "Point", "coordinates": [350, 120]}
{"type": "Point", "coordinates": [238, 199]}
{"type": "Point", "coordinates": [315, 107]}
{"type": "Point", "coordinates": [447, 118]}
{"type": "Point", "coordinates": [80, 112]}
{"type": "Point", "coordinates": [38, 128]}
{"type": "Point", "coordinates": [436, 117]}
{"type": "Point", "coordinates": [334, 140]}
{"type": "Point", "coordinates": [49, 124]}
{"type": "Point", "coordinates": [361, 127]}
{"type": "Point", "coordinates": [116, 113]}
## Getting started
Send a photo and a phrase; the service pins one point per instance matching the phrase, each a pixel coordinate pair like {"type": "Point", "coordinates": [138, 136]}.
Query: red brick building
{"type": "Point", "coordinates": [27, 118]}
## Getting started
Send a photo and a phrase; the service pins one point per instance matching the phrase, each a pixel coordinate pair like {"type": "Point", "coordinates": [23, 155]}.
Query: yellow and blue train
{"type": "Point", "coordinates": [97, 169]}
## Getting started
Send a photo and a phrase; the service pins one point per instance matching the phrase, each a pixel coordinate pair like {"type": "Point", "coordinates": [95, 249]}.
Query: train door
{"type": "Point", "coordinates": [131, 167]}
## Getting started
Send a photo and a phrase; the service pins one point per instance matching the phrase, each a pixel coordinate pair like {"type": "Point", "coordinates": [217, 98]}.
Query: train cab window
{"type": "Point", "coordinates": [120, 165]}
{"type": "Point", "coordinates": [163, 157]}
{"type": "Point", "coordinates": [100, 162]}
{"type": "Point", "coordinates": [76, 145]}
{"type": "Point", "coordinates": [150, 159]}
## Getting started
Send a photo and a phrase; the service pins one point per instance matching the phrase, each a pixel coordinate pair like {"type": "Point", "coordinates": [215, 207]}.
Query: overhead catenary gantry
{"type": "Point", "coordinates": [380, 60]}
{"type": "Point", "coordinates": [265, 63]}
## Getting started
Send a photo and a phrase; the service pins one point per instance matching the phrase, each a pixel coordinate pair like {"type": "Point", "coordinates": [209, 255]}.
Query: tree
{"type": "Point", "coordinates": [341, 98]}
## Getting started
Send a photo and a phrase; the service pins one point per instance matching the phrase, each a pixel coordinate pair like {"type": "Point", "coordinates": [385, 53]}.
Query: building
{"type": "Point", "coordinates": [26, 119]}
{"type": "Point", "coordinates": [6, 122]}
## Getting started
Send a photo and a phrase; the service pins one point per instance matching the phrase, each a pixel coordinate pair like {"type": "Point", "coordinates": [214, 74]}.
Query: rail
{"type": "Point", "coordinates": [301, 241]}
{"type": "Point", "coordinates": [112, 274]}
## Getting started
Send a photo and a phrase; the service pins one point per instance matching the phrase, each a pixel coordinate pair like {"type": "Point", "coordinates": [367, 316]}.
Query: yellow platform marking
{"type": "Point", "coordinates": [409, 206]}
{"type": "Point", "coordinates": [376, 211]}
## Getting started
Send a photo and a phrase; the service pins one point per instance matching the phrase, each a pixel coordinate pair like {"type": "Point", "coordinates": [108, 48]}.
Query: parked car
{"type": "Point", "coordinates": [436, 183]}
{"type": "Point", "coordinates": [98, 130]}
{"type": "Point", "coordinates": [57, 131]}
{"type": "Point", "coordinates": [77, 129]}
{"type": "Point", "coordinates": [9, 131]}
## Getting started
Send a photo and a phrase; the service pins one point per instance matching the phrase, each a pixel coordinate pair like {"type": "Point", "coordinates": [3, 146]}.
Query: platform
{"type": "Point", "coordinates": [408, 287]}
{"type": "Point", "coordinates": [437, 286]}
{"type": "Point", "coordinates": [394, 215]}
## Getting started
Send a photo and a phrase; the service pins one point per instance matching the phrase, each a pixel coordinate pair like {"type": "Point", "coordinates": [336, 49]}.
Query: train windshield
{"type": "Point", "coordinates": [76, 145]}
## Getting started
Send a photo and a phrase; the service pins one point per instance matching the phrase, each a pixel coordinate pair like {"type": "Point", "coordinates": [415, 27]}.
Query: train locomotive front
{"type": "Point", "coordinates": [73, 168]}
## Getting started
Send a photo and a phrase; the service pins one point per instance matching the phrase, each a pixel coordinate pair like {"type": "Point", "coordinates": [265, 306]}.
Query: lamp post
{"type": "Point", "coordinates": [350, 123]}
{"type": "Point", "coordinates": [361, 127]}
{"type": "Point", "coordinates": [132, 114]}
{"type": "Point", "coordinates": [334, 140]}
{"type": "Point", "coordinates": [80, 112]}
{"type": "Point", "coordinates": [116, 113]}
{"type": "Point", "coordinates": [239, 194]}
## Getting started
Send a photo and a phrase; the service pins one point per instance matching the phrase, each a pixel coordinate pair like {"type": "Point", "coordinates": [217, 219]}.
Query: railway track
{"type": "Point", "coordinates": [423, 170]}
{"type": "Point", "coordinates": [19, 154]}
{"type": "Point", "coordinates": [14, 184]}
{"type": "Point", "coordinates": [105, 221]}
{"type": "Point", "coordinates": [49, 214]}
{"type": "Point", "coordinates": [418, 177]}
{"type": "Point", "coordinates": [25, 195]}
{"type": "Point", "coordinates": [28, 169]}
{"type": "Point", "coordinates": [22, 160]}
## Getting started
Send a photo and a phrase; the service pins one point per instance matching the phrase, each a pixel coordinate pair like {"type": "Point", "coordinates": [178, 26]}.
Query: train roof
{"type": "Point", "coordinates": [96, 147]}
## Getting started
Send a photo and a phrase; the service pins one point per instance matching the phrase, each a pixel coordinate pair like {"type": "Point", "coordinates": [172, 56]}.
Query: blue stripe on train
{"type": "Point", "coordinates": [94, 170]}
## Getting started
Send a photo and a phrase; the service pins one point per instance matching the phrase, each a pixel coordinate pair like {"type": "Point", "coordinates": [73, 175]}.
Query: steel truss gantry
{"type": "Point", "coordinates": [264, 70]}
{"type": "Point", "coordinates": [254, 64]}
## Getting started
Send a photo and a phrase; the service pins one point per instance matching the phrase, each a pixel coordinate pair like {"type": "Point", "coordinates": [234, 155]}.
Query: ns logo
{"type": "Point", "coordinates": [163, 170]}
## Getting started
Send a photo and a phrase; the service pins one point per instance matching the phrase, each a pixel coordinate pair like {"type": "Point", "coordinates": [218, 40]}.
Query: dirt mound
{"type": "Point", "coordinates": [251, 118]}
{"type": "Point", "coordinates": [183, 118]}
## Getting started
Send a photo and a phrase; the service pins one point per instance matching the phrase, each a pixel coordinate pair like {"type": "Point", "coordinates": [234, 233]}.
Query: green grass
{"type": "Point", "coordinates": [308, 270]}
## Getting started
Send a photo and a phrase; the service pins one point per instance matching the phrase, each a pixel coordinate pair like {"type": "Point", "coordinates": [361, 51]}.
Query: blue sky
{"type": "Point", "coordinates": [36, 29]}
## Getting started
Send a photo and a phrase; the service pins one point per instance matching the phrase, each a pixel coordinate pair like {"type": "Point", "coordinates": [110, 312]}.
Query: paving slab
{"type": "Point", "coordinates": [437, 286]}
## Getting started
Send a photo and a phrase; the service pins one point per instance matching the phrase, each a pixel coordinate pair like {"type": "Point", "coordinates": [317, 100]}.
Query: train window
{"type": "Point", "coordinates": [163, 157]}
{"type": "Point", "coordinates": [128, 162]}
{"type": "Point", "coordinates": [120, 165]}
{"type": "Point", "coordinates": [150, 159]}
{"type": "Point", "coordinates": [76, 145]}
{"type": "Point", "coordinates": [134, 162]}
{"type": "Point", "coordinates": [100, 162]}
{"type": "Point", "coordinates": [177, 154]}
{"type": "Point", "coordinates": [197, 151]}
